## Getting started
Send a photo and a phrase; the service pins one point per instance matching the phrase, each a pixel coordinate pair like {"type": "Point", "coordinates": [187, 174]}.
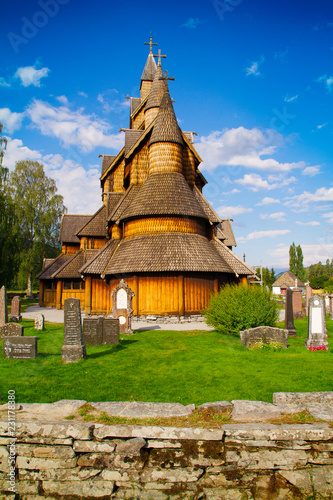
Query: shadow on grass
{"type": "Point", "coordinates": [119, 347]}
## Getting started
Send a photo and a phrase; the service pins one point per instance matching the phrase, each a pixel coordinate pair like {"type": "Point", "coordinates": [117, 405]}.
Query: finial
{"type": "Point", "coordinates": [159, 56]}
{"type": "Point", "coordinates": [127, 97]}
{"type": "Point", "coordinates": [151, 44]}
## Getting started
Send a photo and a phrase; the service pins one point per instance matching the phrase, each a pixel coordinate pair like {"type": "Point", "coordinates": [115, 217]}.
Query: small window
{"type": "Point", "coordinates": [67, 285]}
{"type": "Point", "coordinates": [76, 285]}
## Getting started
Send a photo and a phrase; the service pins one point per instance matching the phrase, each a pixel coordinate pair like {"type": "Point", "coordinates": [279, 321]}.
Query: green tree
{"type": "Point", "coordinates": [292, 258]}
{"type": "Point", "coordinates": [38, 210]}
{"type": "Point", "coordinates": [300, 271]}
{"type": "Point", "coordinates": [8, 234]}
{"type": "Point", "coordinates": [268, 276]}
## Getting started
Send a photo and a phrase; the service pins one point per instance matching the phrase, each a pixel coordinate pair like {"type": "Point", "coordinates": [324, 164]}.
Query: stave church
{"type": "Point", "coordinates": [155, 229]}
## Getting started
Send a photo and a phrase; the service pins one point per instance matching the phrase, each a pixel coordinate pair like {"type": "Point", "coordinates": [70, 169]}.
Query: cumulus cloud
{"type": "Point", "coordinates": [245, 148]}
{"type": "Point", "coordinates": [62, 99]}
{"type": "Point", "coordinates": [268, 201]}
{"type": "Point", "coordinates": [254, 68]}
{"type": "Point", "coordinates": [310, 223]}
{"type": "Point", "coordinates": [327, 80]}
{"type": "Point", "coordinates": [73, 128]}
{"type": "Point", "coordinates": [311, 171]}
{"type": "Point", "coordinates": [229, 212]}
{"type": "Point", "coordinates": [79, 186]}
{"type": "Point", "coordinates": [311, 253]}
{"type": "Point", "coordinates": [256, 235]}
{"type": "Point", "coordinates": [278, 216]}
{"type": "Point", "coordinates": [321, 195]}
{"type": "Point", "coordinates": [255, 182]}
{"type": "Point", "coordinates": [29, 75]}
{"type": "Point", "coordinates": [11, 121]}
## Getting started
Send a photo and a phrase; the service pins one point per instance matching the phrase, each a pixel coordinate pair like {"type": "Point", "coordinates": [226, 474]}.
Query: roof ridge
{"type": "Point", "coordinates": [234, 255]}
{"type": "Point", "coordinates": [65, 264]}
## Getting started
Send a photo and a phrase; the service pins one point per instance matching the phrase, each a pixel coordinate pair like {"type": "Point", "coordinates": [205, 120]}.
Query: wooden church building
{"type": "Point", "coordinates": [154, 229]}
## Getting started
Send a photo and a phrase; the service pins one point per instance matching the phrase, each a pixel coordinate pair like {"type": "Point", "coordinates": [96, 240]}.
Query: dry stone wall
{"type": "Point", "coordinates": [238, 461]}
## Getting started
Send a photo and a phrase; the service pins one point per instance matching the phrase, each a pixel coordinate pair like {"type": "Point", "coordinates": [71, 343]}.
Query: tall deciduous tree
{"type": "Point", "coordinates": [38, 209]}
{"type": "Point", "coordinates": [296, 261]}
{"type": "Point", "coordinates": [8, 236]}
{"type": "Point", "coordinates": [292, 258]}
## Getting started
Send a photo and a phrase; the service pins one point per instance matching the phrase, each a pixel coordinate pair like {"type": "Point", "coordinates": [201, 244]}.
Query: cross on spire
{"type": "Point", "coordinates": [166, 78]}
{"type": "Point", "coordinates": [159, 56]}
{"type": "Point", "coordinates": [151, 44]}
{"type": "Point", "coordinates": [127, 97]}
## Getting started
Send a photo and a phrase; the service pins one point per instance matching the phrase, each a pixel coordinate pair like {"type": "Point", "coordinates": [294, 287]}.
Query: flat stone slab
{"type": "Point", "coordinates": [324, 397]}
{"type": "Point", "coordinates": [47, 411]}
{"type": "Point", "coordinates": [216, 405]}
{"type": "Point", "coordinates": [133, 409]}
{"type": "Point", "coordinates": [46, 429]}
{"type": "Point", "coordinates": [321, 411]}
{"type": "Point", "coordinates": [245, 411]}
{"type": "Point", "coordinates": [276, 432]}
{"type": "Point", "coordinates": [102, 431]}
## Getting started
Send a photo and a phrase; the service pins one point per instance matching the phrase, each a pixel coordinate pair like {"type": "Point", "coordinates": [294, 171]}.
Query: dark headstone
{"type": "Point", "coordinates": [110, 331]}
{"type": "Point", "coordinates": [73, 348]}
{"type": "Point", "coordinates": [11, 330]}
{"type": "Point", "coordinates": [15, 313]}
{"type": "Point", "coordinates": [20, 347]}
{"type": "Point", "coordinates": [266, 334]}
{"type": "Point", "coordinates": [3, 306]}
{"type": "Point", "coordinates": [122, 297]}
{"type": "Point", "coordinates": [317, 323]}
{"type": "Point", "coordinates": [93, 331]}
{"type": "Point", "coordinates": [289, 318]}
{"type": "Point", "coordinates": [39, 322]}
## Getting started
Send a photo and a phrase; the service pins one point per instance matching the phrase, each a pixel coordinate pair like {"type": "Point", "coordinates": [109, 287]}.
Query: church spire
{"type": "Point", "coordinates": [148, 72]}
{"type": "Point", "coordinates": [155, 94]}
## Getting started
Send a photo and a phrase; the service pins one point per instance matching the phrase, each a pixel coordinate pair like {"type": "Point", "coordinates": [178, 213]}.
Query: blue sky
{"type": "Point", "coordinates": [253, 79]}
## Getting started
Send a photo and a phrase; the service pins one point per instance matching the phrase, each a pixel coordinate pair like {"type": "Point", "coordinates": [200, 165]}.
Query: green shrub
{"type": "Point", "coordinates": [235, 308]}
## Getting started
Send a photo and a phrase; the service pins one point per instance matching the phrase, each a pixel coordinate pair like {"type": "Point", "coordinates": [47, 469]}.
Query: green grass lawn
{"type": "Point", "coordinates": [166, 366]}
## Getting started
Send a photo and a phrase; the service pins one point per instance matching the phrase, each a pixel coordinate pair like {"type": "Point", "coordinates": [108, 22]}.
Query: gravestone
{"type": "Point", "coordinates": [73, 348]}
{"type": "Point", "coordinates": [20, 347]}
{"type": "Point", "coordinates": [289, 317]}
{"type": "Point", "coordinates": [111, 329]}
{"type": "Point", "coordinates": [122, 297]}
{"type": "Point", "coordinates": [39, 322]}
{"type": "Point", "coordinates": [316, 323]}
{"type": "Point", "coordinates": [3, 307]}
{"type": "Point", "coordinates": [297, 303]}
{"type": "Point", "coordinates": [93, 331]}
{"type": "Point", "coordinates": [11, 330]}
{"type": "Point", "coordinates": [266, 334]}
{"type": "Point", "coordinates": [15, 313]}
{"type": "Point", "coordinates": [331, 307]}
{"type": "Point", "coordinates": [308, 295]}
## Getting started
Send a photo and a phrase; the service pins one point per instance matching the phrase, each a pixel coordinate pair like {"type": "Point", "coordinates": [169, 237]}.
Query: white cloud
{"type": "Point", "coordinates": [63, 100]}
{"type": "Point", "coordinates": [255, 182]}
{"type": "Point", "coordinates": [233, 191]}
{"type": "Point", "coordinates": [192, 23]}
{"type": "Point", "coordinates": [329, 216]}
{"type": "Point", "coordinates": [268, 201]}
{"type": "Point", "coordinates": [11, 121]}
{"type": "Point", "coordinates": [321, 195]}
{"type": "Point", "coordinates": [254, 68]}
{"type": "Point", "coordinates": [245, 148]}
{"type": "Point", "coordinates": [311, 223]}
{"type": "Point", "coordinates": [29, 75]}
{"type": "Point", "coordinates": [80, 187]}
{"type": "Point", "coordinates": [322, 125]}
{"type": "Point", "coordinates": [327, 80]}
{"type": "Point", "coordinates": [311, 253]}
{"type": "Point", "coordinates": [278, 216]}
{"type": "Point", "coordinates": [83, 94]}
{"type": "Point", "coordinates": [73, 128]}
{"type": "Point", "coordinates": [109, 103]}
{"type": "Point", "coordinates": [311, 171]}
{"type": "Point", "coordinates": [291, 99]}
{"type": "Point", "coordinates": [229, 212]}
{"type": "Point", "coordinates": [266, 234]}
{"type": "Point", "coordinates": [3, 82]}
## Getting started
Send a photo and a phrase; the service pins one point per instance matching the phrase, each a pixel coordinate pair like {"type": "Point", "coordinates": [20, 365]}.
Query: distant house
{"type": "Point", "coordinates": [287, 279]}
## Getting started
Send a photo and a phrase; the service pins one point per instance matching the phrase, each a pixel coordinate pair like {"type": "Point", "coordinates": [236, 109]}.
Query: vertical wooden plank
{"type": "Point", "coordinates": [88, 295]}
{"type": "Point", "coordinates": [181, 302]}
{"type": "Point", "coordinates": [58, 295]}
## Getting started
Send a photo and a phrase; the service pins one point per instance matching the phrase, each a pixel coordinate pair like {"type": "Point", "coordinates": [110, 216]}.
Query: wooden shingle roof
{"type": "Point", "coordinates": [112, 201]}
{"type": "Point", "coordinates": [54, 266]}
{"type": "Point", "coordinates": [226, 228]}
{"type": "Point", "coordinates": [288, 279]}
{"type": "Point", "coordinates": [123, 203]}
{"type": "Point", "coordinates": [71, 269]}
{"type": "Point", "coordinates": [149, 69]}
{"type": "Point", "coordinates": [98, 263]}
{"type": "Point", "coordinates": [70, 225]}
{"type": "Point", "coordinates": [131, 137]}
{"type": "Point", "coordinates": [209, 211]}
{"type": "Point", "coordinates": [97, 226]}
{"type": "Point", "coordinates": [166, 128]}
{"type": "Point", "coordinates": [166, 252]}
{"type": "Point", "coordinates": [157, 90]}
{"type": "Point", "coordinates": [165, 193]}
{"type": "Point", "coordinates": [106, 162]}
{"type": "Point", "coordinates": [237, 265]}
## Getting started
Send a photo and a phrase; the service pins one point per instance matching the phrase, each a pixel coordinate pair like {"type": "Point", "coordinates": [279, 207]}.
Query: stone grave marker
{"type": "Point", "coordinates": [15, 314]}
{"type": "Point", "coordinates": [331, 307]}
{"type": "Point", "coordinates": [297, 303]}
{"type": "Point", "coordinates": [289, 318]}
{"type": "Point", "coordinates": [20, 347]}
{"type": "Point", "coordinates": [308, 295]}
{"type": "Point", "coordinates": [11, 330]}
{"type": "Point", "coordinates": [3, 306]}
{"type": "Point", "coordinates": [266, 334]}
{"type": "Point", "coordinates": [316, 323]}
{"type": "Point", "coordinates": [39, 322]}
{"type": "Point", "coordinates": [111, 329]}
{"type": "Point", "coordinates": [122, 297]}
{"type": "Point", "coordinates": [73, 348]}
{"type": "Point", "coordinates": [93, 331]}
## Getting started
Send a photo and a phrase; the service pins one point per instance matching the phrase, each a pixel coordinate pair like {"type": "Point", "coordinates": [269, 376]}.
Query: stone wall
{"type": "Point", "coordinates": [238, 461]}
